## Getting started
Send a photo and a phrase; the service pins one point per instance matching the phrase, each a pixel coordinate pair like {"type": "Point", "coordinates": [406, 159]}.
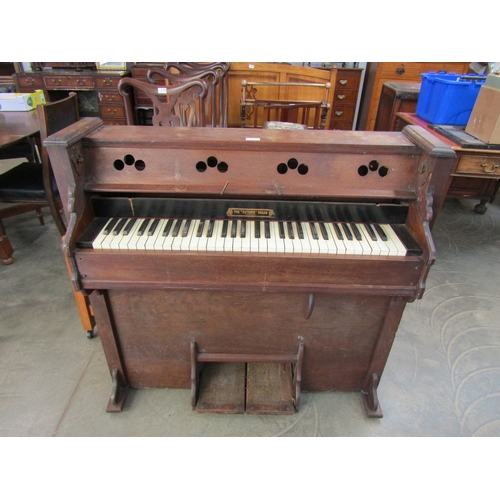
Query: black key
{"type": "Point", "coordinates": [257, 228]}
{"type": "Point", "coordinates": [338, 232]}
{"type": "Point", "coordinates": [224, 229]}
{"type": "Point", "coordinates": [200, 229]}
{"type": "Point", "coordinates": [243, 231]}
{"type": "Point", "coordinates": [186, 228]}
{"type": "Point", "coordinates": [267, 229]}
{"type": "Point", "coordinates": [313, 231]}
{"type": "Point", "coordinates": [143, 227]}
{"type": "Point", "coordinates": [281, 230]}
{"type": "Point", "coordinates": [380, 232]}
{"type": "Point", "coordinates": [290, 230]}
{"type": "Point", "coordinates": [324, 232]}
{"type": "Point", "coordinates": [300, 232]}
{"type": "Point", "coordinates": [111, 224]}
{"type": "Point", "coordinates": [119, 226]}
{"type": "Point", "coordinates": [356, 232]}
{"type": "Point", "coordinates": [177, 227]}
{"type": "Point", "coordinates": [347, 231]}
{"type": "Point", "coordinates": [234, 228]}
{"type": "Point", "coordinates": [210, 230]}
{"type": "Point", "coordinates": [153, 226]}
{"type": "Point", "coordinates": [168, 226]}
{"type": "Point", "coordinates": [128, 227]}
{"type": "Point", "coordinates": [371, 232]}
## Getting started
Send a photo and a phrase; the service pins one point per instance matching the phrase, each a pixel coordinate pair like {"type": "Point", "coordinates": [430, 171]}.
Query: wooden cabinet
{"type": "Point", "coordinates": [379, 73]}
{"type": "Point", "coordinates": [97, 90]}
{"type": "Point", "coordinates": [345, 98]}
{"type": "Point", "coordinates": [273, 72]}
{"type": "Point", "coordinates": [476, 172]}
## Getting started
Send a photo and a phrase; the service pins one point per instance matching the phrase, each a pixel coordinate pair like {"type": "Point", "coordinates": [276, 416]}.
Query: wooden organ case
{"type": "Point", "coordinates": [266, 288]}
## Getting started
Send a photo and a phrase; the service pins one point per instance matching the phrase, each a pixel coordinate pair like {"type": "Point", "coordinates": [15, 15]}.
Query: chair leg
{"type": "Point", "coordinates": [6, 249]}
{"type": "Point", "coordinates": [39, 214]}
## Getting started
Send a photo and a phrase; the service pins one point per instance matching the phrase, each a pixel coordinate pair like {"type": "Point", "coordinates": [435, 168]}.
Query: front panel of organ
{"type": "Point", "coordinates": [247, 265]}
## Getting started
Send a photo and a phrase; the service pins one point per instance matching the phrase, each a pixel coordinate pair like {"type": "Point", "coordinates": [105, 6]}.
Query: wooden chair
{"type": "Point", "coordinates": [210, 77]}
{"type": "Point", "coordinates": [173, 106]}
{"type": "Point", "coordinates": [222, 69]}
{"type": "Point", "coordinates": [31, 185]}
{"type": "Point", "coordinates": [311, 114]}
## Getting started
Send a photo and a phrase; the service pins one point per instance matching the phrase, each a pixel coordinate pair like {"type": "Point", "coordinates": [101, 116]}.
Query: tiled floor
{"type": "Point", "coordinates": [442, 377]}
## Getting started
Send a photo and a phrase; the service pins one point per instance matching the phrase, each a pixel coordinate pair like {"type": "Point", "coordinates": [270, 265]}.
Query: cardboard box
{"type": "Point", "coordinates": [21, 102]}
{"type": "Point", "coordinates": [484, 121]}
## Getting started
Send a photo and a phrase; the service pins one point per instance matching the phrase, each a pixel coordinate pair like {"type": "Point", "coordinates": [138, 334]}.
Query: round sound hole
{"type": "Point", "coordinates": [201, 166]}
{"type": "Point", "coordinates": [140, 165]}
{"type": "Point", "coordinates": [282, 168]}
{"type": "Point", "coordinates": [222, 167]}
{"type": "Point", "coordinates": [129, 159]}
{"type": "Point", "coordinates": [303, 169]}
{"type": "Point", "coordinates": [363, 170]}
{"type": "Point", "coordinates": [119, 165]}
{"type": "Point", "coordinates": [212, 161]}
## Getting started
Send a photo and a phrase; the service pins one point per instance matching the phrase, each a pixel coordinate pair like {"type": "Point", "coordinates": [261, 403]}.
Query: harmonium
{"type": "Point", "coordinates": [247, 265]}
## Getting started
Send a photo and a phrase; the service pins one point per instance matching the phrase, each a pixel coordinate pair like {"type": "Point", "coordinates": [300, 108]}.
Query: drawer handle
{"type": "Point", "coordinates": [343, 82]}
{"type": "Point", "coordinates": [402, 70]}
{"type": "Point", "coordinates": [340, 96]}
{"type": "Point", "coordinates": [339, 113]}
{"type": "Point", "coordinates": [485, 168]}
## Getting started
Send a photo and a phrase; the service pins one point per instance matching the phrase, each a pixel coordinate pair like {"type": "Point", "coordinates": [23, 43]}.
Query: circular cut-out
{"type": "Point", "coordinates": [212, 161]}
{"type": "Point", "coordinates": [383, 171]}
{"type": "Point", "coordinates": [118, 164]}
{"type": "Point", "coordinates": [140, 165]}
{"type": "Point", "coordinates": [292, 163]}
{"type": "Point", "coordinates": [373, 165]}
{"type": "Point", "coordinates": [129, 159]}
{"type": "Point", "coordinates": [303, 169]}
{"type": "Point", "coordinates": [222, 167]}
{"type": "Point", "coordinates": [282, 168]}
{"type": "Point", "coordinates": [363, 170]}
{"type": "Point", "coordinates": [201, 166]}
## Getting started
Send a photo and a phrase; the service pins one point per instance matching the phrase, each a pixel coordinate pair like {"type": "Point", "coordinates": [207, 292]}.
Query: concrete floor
{"type": "Point", "coordinates": [442, 377]}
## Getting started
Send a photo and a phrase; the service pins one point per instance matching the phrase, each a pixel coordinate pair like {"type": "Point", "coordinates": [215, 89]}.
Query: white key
{"type": "Point", "coordinates": [177, 236]}
{"type": "Point", "coordinates": [257, 244]}
{"type": "Point", "coordinates": [160, 239]}
{"type": "Point", "coordinates": [212, 240]}
{"type": "Point", "coordinates": [153, 234]}
{"type": "Point", "coordinates": [314, 243]}
{"type": "Point", "coordinates": [104, 233]}
{"type": "Point", "coordinates": [393, 242]}
{"type": "Point", "coordinates": [199, 239]}
{"type": "Point", "coordinates": [366, 236]}
{"type": "Point", "coordinates": [186, 235]}
{"type": "Point", "coordinates": [384, 249]}
{"type": "Point", "coordinates": [169, 238]}
{"type": "Point", "coordinates": [339, 242]}
{"type": "Point", "coordinates": [123, 245]}
{"type": "Point", "coordinates": [220, 241]}
{"type": "Point", "coordinates": [304, 242]}
{"type": "Point", "coordinates": [246, 241]}
{"type": "Point", "coordinates": [234, 228]}
{"type": "Point", "coordinates": [322, 243]}
{"type": "Point", "coordinates": [272, 246]}
{"type": "Point", "coordinates": [366, 248]}
{"type": "Point", "coordinates": [132, 241]}
{"type": "Point", "coordinates": [141, 241]}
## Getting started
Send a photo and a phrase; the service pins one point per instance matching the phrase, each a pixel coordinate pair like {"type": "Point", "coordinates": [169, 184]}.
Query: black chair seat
{"type": "Point", "coordinates": [24, 182]}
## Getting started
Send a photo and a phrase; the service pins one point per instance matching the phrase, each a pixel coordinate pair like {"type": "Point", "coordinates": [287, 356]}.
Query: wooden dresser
{"type": "Point", "coordinates": [97, 90]}
{"type": "Point", "coordinates": [345, 98]}
{"type": "Point", "coordinates": [379, 73]}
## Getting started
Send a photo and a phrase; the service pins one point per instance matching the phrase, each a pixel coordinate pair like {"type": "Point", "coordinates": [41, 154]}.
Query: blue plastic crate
{"type": "Point", "coordinates": [447, 98]}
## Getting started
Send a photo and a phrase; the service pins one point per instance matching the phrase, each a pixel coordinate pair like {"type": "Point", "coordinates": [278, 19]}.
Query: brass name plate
{"type": "Point", "coordinates": [260, 213]}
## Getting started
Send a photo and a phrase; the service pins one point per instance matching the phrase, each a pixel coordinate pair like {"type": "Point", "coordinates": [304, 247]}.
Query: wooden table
{"type": "Point", "coordinates": [16, 129]}
{"type": "Point", "coordinates": [474, 173]}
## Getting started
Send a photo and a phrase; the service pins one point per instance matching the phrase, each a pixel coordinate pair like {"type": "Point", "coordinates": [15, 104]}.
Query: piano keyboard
{"type": "Point", "coordinates": [344, 238]}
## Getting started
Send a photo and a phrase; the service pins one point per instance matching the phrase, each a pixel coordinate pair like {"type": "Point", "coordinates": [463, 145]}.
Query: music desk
{"type": "Point", "coordinates": [476, 172]}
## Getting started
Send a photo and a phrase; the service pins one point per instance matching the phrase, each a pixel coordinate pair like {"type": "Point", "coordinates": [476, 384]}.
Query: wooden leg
{"type": "Point", "coordinates": [111, 350]}
{"type": "Point", "coordinates": [370, 398]}
{"type": "Point", "coordinates": [481, 207]}
{"type": "Point", "coordinates": [6, 249]}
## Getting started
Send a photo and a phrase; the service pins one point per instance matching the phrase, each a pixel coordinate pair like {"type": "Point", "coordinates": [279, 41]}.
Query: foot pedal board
{"type": "Point", "coordinates": [259, 388]}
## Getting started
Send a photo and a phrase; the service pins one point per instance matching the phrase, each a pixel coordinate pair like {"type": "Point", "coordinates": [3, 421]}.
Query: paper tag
{"type": "Point", "coordinates": [251, 66]}
{"type": "Point", "coordinates": [253, 138]}
{"type": "Point", "coordinates": [162, 90]}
